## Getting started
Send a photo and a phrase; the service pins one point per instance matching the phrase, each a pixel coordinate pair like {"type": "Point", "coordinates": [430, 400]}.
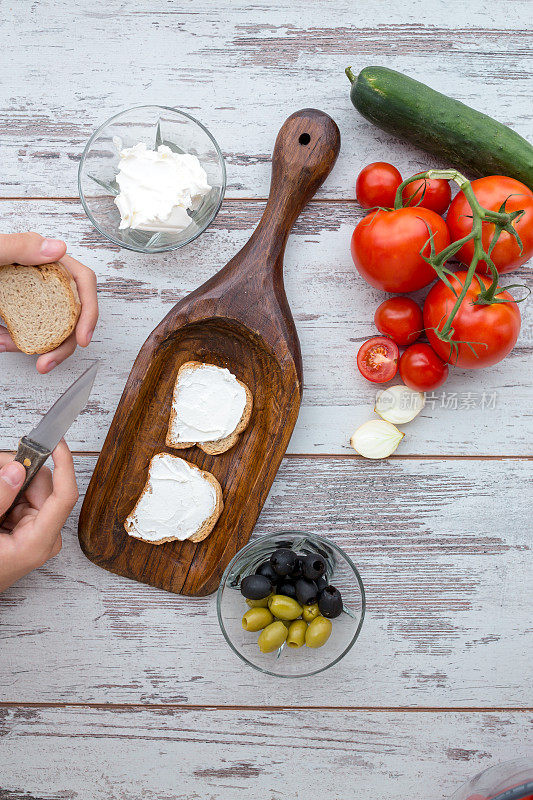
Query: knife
{"type": "Point", "coordinates": [35, 448]}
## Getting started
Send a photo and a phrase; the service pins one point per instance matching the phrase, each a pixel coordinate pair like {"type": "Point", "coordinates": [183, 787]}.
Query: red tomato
{"type": "Point", "coordinates": [421, 368]}
{"type": "Point", "coordinates": [377, 359]}
{"type": "Point", "coordinates": [400, 318]}
{"type": "Point", "coordinates": [433, 193]}
{"type": "Point", "coordinates": [386, 248]}
{"type": "Point", "coordinates": [491, 330]}
{"type": "Point", "coordinates": [491, 192]}
{"type": "Point", "coordinates": [377, 184]}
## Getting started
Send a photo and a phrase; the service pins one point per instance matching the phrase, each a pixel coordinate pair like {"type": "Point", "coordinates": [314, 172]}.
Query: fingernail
{"type": "Point", "coordinates": [12, 474]}
{"type": "Point", "coordinates": [90, 336]}
{"type": "Point", "coordinates": [50, 247]}
{"type": "Point", "coordinates": [51, 366]}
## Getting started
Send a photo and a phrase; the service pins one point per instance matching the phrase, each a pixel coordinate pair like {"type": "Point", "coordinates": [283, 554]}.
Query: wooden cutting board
{"type": "Point", "coordinates": [239, 319]}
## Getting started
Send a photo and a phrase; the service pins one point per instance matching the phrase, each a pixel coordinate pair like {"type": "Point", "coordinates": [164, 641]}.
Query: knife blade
{"type": "Point", "coordinates": [35, 448]}
{"type": "Point", "coordinates": [56, 422]}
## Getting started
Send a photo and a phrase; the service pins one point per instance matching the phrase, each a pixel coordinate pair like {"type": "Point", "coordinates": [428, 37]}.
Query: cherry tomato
{"type": "Point", "coordinates": [377, 359]}
{"type": "Point", "coordinates": [386, 248]}
{"type": "Point", "coordinates": [400, 318]}
{"type": "Point", "coordinates": [491, 330]}
{"type": "Point", "coordinates": [491, 192]}
{"type": "Point", "coordinates": [377, 184]}
{"type": "Point", "coordinates": [421, 368]}
{"type": "Point", "coordinates": [433, 193]}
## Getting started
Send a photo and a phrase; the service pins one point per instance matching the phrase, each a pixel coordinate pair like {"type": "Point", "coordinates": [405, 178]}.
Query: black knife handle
{"type": "Point", "coordinates": [32, 457]}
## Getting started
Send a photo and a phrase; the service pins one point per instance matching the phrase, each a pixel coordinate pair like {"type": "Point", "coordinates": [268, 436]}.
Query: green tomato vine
{"type": "Point", "coordinates": [502, 220]}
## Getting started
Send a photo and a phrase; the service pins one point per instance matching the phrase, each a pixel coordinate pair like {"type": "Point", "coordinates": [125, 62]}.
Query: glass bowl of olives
{"type": "Point", "coordinates": [291, 604]}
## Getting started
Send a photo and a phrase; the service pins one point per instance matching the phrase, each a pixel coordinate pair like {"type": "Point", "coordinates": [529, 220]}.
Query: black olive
{"type": "Point", "coordinates": [314, 567]}
{"type": "Point", "coordinates": [330, 602]}
{"type": "Point", "coordinates": [306, 591]}
{"type": "Point", "coordinates": [321, 582]}
{"type": "Point", "coordinates": [298, 569]}
{"type": "Point", "coordinates": [283, 561]}
{"type": "Point", "coordinates": [267, 570]}
{"type": "Point", "coordinates": [287, 589]}
{"type": "Point", "coordinates": [255, 587]}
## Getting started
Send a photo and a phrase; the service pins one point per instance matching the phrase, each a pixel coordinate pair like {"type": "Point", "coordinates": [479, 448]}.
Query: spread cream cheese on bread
{"type": "Point", "coordinates": [208, 404]}
{"type": "Point", "coordinates": [177, 502]}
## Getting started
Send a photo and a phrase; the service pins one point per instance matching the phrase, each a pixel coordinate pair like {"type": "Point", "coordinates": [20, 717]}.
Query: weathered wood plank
{"type": "Point", "coordinates": [333, 307]}
{"type": "Point", "coordinates": [221, 754]}
{"type": "Point", "coordinates": [448, 586]}
{"type": "Point", "coordinates": [242, 69]}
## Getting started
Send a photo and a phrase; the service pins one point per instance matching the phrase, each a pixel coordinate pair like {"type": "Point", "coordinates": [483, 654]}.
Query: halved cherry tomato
{"type": "Point", "coordinates": [377, 359]}
{"type": "Point", "coordinates": [377, 184]}
{"type": "Point", "coordinates": [433, 193]}
{"type": "Point", "coordinates": [491, 330]}
{"type": "Point", "coordinates": [400, 318]}
{"type": "Point", "coordinates": [421, 368]}
{"type": "Point", "coordinates": [491, 192]}
{"type": "Point", "coordinates": [386, 247]}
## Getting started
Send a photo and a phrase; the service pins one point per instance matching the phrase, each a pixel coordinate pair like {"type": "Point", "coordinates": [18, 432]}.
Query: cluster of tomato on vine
{"type": "Point", "coordinates": [404, 243]}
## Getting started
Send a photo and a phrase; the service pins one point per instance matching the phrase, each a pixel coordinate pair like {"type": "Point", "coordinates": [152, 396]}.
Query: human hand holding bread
{"type": "Point", "coordinates": [49, 305]}
{"type": "Point", "coordinates": [65, 289]}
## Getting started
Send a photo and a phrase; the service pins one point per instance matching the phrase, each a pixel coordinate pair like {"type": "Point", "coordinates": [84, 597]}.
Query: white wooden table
{"type": "Point", "coordinates": [111, 689]}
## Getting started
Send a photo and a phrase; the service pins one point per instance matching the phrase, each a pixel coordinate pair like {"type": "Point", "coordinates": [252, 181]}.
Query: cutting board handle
{"type": "Point", "coordinates": [306, 149]}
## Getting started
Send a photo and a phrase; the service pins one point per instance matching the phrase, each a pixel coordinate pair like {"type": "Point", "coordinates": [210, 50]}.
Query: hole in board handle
{"type": "Point", "coordinates": [304, 138]}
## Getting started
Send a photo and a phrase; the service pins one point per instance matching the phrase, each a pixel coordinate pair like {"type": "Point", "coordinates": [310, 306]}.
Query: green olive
{"type": "Point", "coordinates": [310, 612]}
{"type": "Point", "coordinates": [284, 607]}
{"type": "Point", "coordinates": [272, 637]}
{"type": "Point", "coordinates": [318, 632]}
{"type": "Point", "coordinates": [296, 637]}
{"type": "Point", "coordinates": [263, 603]}
{"type": "Point", "coordinates": [257, 618]}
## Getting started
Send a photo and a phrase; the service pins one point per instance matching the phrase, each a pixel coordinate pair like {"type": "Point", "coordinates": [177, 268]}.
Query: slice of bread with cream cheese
{"type": "Point", "coordinates": [210, 408]}
{"type": "Point", "coordinates": [179, 501]}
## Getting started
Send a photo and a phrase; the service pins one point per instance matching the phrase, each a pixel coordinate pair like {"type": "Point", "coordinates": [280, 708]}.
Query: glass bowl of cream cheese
{"type": "Point", "coordinates": [152, 179]}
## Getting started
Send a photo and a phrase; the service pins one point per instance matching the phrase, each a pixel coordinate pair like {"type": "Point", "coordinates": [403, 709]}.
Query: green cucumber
{"type": "Point", "coordinates": [445, 127]}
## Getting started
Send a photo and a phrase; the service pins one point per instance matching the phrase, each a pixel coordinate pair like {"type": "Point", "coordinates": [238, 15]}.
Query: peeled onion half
{"type": "Point", "coordinates": [399, 404]}
{"type": "Point", "coordinates": [376, 439]}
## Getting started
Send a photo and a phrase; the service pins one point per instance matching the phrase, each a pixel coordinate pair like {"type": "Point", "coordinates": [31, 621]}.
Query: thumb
{"type": "Point", "coordinates": [30, 249]}
{"type": "Point", "coordinates": [11, 479]}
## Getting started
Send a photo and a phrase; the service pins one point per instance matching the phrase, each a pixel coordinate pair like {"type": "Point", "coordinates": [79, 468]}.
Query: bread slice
{"type": "Point", "coordinates": [167, 462]}
{"type": "Point", "coordinates": [40, 305]}
{"type": "Point", "coordinates": [215, 446]}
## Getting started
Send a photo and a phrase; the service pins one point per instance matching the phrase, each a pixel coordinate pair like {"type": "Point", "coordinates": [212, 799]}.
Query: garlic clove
{"type": "Point", "coordinates": [399, 404]}
{"type": "Point", "coordinates": [376, 439]}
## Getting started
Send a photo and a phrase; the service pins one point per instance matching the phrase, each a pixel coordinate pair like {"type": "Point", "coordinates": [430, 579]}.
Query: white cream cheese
{"type": "Point", "coordinates": [208, 404]}
{"type": "Point", "coordinates": [176, 503]}
{"type": "Point", "coordinates": [157, 187]}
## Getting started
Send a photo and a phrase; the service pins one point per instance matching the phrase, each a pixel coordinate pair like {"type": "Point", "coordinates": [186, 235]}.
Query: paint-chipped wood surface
{"type": "Point", "coordinates": [437, 688]}
{"type": "Point", "coordinates": [212, 754]}
{"type": "Point", "coordinates": [240, 67]}
{"type": "Point", "coordinates": [448, 594]}
{"type": "Point", "coordinates": [481, 413]}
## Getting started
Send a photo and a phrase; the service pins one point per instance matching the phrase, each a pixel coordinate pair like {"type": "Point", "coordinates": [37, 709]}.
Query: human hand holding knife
{"type": "Point", "coordinates": [31, 522]}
